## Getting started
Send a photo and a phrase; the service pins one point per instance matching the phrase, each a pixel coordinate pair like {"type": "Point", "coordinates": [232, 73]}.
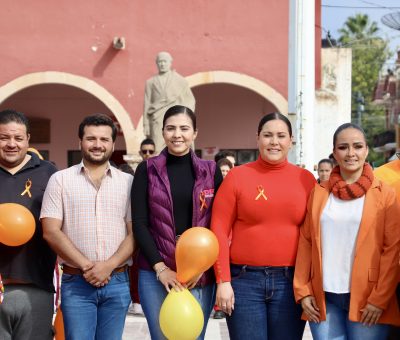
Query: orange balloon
{"type": "Point", "coordinates": [59, 326]}
{"type": "Point", "coordinates": [17, 224]}
{"type": "Point", "coordinates": [196, 251]}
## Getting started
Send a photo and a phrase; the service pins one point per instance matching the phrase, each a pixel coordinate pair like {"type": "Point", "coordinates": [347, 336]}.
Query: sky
{"type": "Point", "coordinates": [335, 13]}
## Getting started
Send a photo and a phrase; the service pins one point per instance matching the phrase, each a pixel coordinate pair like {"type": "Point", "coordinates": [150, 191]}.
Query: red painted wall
{"type": "Point", "coordinates": [228, 116]}
{"type": "Point", "coordinates": [75, 36]}
{"type": "Point", "coordinates": [248, 37]}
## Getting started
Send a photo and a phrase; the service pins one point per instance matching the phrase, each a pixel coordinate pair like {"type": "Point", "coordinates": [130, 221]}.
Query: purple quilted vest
{"type": "Point", "coordinates": [161, 218]}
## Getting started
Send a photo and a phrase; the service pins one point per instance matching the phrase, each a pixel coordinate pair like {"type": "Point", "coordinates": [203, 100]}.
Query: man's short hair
{"type": "Point", "coordinates": [98, 119]}
{"type": "Point", "coordinates": [224, 154]}
{"type": "Point", "coordinates": [8, 116]}
{"type": "Point", "coordinates": [147, 141]}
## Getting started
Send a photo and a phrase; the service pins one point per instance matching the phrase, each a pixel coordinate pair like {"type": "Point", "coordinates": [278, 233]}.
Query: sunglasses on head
{"type": "Point", "coordinates": [147, 151]}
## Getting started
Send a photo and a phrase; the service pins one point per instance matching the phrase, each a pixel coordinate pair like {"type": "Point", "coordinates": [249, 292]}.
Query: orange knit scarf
{"type": "Point", "coordinates": [345, 191]}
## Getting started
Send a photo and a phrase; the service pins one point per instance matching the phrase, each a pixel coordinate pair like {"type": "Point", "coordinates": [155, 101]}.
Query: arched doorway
{"type": "Point", "coordinates": [55, 112]}
{"type": "Point", "coordinates": [242, 80]}
{"type": "Point", "coordinates": [229, 106]}
{"type": "Point", "coordinates": [85, 84]}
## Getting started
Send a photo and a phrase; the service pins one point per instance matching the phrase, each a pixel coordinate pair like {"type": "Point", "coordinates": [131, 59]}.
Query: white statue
{"type": "Point", "coordinates": [164, 90]}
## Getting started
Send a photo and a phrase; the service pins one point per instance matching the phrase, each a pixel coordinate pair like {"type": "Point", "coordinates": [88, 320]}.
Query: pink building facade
{"type": "Point", "coordinates": [59, 63]}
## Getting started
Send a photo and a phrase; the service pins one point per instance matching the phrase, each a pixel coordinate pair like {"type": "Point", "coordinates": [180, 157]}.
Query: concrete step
{"type": "Point", "coordinates": [136, 329]}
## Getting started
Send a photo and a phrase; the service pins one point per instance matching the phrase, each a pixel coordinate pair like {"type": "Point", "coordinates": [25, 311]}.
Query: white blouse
{"type": "Point", "coordinates": [340, 221]}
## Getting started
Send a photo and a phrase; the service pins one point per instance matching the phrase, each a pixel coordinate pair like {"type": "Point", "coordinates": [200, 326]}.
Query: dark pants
{"type": "Point", "coordinates": [265, 307]}
{"type": "Point", "coordinates": [26, 313]}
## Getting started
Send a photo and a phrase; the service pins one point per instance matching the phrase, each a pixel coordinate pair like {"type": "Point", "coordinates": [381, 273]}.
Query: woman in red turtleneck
{"type": "Point", "coordinates": [262, 204]}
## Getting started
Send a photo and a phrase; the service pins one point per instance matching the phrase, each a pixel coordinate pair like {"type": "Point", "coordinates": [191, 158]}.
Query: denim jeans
{"type": "Point", "coordinates": [94, 313]}
{"type": "Point", "coordinates": [265, 307]}
{"type": "Point", "coordinates": [338, 326]}
{"type": "Point", "coordinates": [152, 295]}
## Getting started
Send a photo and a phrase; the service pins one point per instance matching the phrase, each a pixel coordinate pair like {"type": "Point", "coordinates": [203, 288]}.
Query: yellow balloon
{"type": "Point", "coordinates": [181, 316]}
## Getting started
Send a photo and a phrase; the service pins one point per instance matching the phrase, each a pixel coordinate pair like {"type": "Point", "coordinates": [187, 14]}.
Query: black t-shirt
{"type": "Point", "coordinates": [181, 177]}
{"type": "Point", "coordinates": [33, 261]}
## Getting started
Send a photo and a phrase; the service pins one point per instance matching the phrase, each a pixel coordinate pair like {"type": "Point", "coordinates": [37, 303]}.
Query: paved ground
{"type": "Point", "coordinates": [136, 329]}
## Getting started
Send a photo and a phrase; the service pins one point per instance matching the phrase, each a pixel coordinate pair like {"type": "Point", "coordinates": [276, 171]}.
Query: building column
{"type": "Point", "coordinates": [301, 82]}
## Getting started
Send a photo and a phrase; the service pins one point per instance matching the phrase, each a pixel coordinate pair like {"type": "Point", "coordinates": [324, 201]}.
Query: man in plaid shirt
{"type": "Point", "coordinates": [86, 218]}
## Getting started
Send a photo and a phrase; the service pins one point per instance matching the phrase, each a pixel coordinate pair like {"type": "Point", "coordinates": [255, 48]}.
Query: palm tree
{"type": "Point", "coordinates": [358, 28]}
{"type": "Point", "coordinates": [369, 53]}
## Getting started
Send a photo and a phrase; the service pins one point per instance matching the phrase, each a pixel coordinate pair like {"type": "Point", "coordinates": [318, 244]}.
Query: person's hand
{"type": "Point", "coordinates": [193, 282]}
{"type": "Point", "coordinates": [86, 265]}
{"type": "Point", "coordinates": [99, 275]}
{"type": "Point", "coordinates": [310, 308]}
{"type": "Point", "coordinates": [168, 278]}
{"type": "Point", "coordinates": [225, 297]}
{"type": "Point", "coordinates": [370, 315]}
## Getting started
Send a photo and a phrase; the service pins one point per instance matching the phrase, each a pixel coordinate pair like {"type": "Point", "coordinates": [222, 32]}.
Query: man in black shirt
{"type": "Point", "coordinates": [27, 270]}
{"type": "Point", "coordinates": [147, 149]}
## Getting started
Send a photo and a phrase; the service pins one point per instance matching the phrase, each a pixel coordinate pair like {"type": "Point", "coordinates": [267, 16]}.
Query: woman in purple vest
{"type": "Point", "coordinates": [171, 193]}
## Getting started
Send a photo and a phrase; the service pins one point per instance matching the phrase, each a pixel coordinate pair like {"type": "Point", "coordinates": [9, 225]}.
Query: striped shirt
{"type": "Point", "coordinates": [94, 219]}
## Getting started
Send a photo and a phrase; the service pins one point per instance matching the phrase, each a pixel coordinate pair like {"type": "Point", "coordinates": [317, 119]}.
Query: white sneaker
{"type": "Point", "coordinates": [130, 309]}
{"type": "Point", "coordinates": [135, 309]}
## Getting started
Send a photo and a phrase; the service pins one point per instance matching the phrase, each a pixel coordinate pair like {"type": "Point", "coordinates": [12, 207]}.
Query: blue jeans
{"type": "Point", "coordinates": [265, 307]}
{"type": "Point", "coordinates": [94, 313]}
{"type": "Point", "coordinates": [152, 295]}
{"type": "Point", "coordinates": [338, 326]}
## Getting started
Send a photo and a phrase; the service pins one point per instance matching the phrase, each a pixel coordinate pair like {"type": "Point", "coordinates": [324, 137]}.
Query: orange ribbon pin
{"type": "Point", "coordinates": [28, 186]}
{"type": "Point", "coordinates": [260, 193]}
{"type": "Point", "coordinates": [203, 203]}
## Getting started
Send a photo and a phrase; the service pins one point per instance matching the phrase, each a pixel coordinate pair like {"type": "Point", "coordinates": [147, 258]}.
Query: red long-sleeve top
{"type": "Point", "coordinates": [261, 206]}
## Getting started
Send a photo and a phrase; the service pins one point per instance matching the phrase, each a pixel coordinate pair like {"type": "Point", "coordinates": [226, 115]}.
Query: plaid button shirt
{"type": "Point", "coordinates": [93, 218]}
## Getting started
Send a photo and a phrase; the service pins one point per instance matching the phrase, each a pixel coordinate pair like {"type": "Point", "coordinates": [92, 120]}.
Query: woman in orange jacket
{"type": "Point", "coordinates": [347, 260]}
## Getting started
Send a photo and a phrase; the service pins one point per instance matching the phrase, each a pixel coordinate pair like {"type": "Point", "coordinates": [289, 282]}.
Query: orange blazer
{"type": "Point", "coordinates": [375, 267]}
{"type": "Point", "coordinates": [389, 173]}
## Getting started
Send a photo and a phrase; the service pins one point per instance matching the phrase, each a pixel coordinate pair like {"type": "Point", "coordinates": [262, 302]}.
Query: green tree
{"type": "Point", "coordinates": [370, 52]}
{"type": "Point", "coordinates": [358, 27]}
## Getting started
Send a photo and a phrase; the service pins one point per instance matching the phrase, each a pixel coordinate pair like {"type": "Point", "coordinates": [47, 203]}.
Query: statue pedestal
{"type": "Point", "coordinates": [133, 159]}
